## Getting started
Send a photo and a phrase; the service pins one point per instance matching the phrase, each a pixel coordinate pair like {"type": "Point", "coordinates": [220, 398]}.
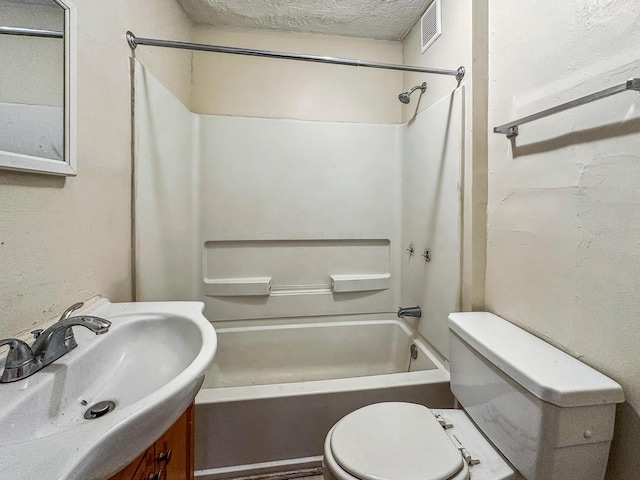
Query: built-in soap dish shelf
{"type": "Point", "coordinates": [237, 287]}
{"type": "Point", "coordinates": [261, 286]}
{"type": "Point", "coordinates": [360, 282]}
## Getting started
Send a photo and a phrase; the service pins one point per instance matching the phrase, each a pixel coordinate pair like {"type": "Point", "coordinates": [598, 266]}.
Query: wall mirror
{"type": "Point", "coordinates": [37, 98]}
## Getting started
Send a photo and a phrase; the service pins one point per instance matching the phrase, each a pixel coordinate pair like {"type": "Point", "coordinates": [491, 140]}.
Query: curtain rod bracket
{"type": "Point", "coordinates": [131, 40]}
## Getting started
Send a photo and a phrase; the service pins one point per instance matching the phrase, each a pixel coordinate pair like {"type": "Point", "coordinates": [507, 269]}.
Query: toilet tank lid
{"type": "Point", "coordinates": [547, 372]}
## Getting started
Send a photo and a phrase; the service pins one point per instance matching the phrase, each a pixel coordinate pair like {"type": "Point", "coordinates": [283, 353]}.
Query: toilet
{"type": "Point", "coordinates": [529, 411]}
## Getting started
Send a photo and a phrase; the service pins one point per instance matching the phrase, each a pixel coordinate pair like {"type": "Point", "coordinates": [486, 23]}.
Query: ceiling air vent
{"type": "Point", "coordinates": [431, 24]}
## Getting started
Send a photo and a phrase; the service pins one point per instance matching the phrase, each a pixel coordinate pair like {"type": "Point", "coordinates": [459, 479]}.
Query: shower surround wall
{"type": "Point", "coordinates": [431, 215]}
{"type": "Point", "coordinates": [166, 199]}
{"type": "Point", "coordinates": [294, 200]}
{"type": "Point", "coordinates": [298, 201]}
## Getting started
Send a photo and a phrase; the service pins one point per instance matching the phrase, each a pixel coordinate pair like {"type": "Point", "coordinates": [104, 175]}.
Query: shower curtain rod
{"type": "Point", "coordinates": [135, 41]}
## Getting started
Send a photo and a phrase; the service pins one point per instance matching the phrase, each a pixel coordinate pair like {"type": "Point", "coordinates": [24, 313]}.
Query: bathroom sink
{"type": "Point", "coordinates": [150, 364]}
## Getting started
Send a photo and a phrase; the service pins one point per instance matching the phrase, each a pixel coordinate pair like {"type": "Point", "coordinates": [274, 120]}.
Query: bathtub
{"type": "Point", "coordinates": [274, 391]}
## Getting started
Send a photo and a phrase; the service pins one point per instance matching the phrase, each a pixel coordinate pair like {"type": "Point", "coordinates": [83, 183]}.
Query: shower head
{"type": "Point", "coordinates": [405, 97]}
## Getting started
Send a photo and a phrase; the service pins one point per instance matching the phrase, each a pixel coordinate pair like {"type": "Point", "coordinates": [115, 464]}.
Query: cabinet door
{"type": "Point", "coordinates": [170, 458]}
{"type": "Point", "coordinates": [135, 470]}
{"type": "Point", "coordinates": [174, 449]}
{"type": "Point", "coordinates": [149, 470]}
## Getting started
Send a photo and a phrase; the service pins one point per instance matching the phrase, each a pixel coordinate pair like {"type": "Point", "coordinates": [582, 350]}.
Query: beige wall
{"type": "Point", "coordinates": [463, 43]}
{"type": "Point", "coordinates": [272, 88]}
{"type": "Point", "coordinates": [63, 240]}
{"type": "Point", "coordinates": [563, 255]}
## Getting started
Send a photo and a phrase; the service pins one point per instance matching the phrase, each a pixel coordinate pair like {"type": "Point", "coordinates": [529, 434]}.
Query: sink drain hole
{"type": "Point", "coordinates": [99, 409]}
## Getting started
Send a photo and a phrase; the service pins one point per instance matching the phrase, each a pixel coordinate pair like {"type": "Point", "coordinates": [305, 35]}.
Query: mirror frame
{"type": "Point", "coordinates": [67, 167]}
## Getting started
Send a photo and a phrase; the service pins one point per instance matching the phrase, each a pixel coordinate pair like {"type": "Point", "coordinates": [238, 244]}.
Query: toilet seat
{"type": "Point", "coordinates": [388, 441]}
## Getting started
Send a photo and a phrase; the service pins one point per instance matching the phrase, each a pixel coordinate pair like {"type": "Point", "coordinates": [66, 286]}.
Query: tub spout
{"type": "Point", "coordinates": [409, 312]}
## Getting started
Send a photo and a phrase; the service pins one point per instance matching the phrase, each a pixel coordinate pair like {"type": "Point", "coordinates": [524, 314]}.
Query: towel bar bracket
{"type": "Point", "coordinates": [512, 132]}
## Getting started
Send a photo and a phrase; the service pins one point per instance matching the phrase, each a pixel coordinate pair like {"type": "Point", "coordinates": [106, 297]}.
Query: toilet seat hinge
{"type": "Point", "coordinates": [444, 422]}
{"type": "Point", "coordinates": [468, 457]}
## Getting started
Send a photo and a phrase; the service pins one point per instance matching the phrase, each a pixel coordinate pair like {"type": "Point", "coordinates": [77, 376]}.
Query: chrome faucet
{"type": "Point", "coordinates": [50, 344]}
{"type": "Point", "coordinates": [409, 312]}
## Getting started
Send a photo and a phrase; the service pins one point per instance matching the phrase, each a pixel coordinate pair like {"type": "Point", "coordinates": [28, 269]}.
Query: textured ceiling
{"type": "Point", "coordinates": [381, 19]}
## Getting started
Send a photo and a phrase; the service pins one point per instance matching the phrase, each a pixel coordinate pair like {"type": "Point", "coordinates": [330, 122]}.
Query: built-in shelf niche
{"type": "Point", "coordinates": [295, 267]}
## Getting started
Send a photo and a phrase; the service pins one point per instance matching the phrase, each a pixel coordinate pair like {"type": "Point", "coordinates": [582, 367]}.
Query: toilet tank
{"type": "Point", "coordinates": [549, 414]}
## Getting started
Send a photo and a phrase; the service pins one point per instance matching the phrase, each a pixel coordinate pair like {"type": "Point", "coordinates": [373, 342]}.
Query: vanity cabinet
{"type": "Point", "coordinates": [169, 458]}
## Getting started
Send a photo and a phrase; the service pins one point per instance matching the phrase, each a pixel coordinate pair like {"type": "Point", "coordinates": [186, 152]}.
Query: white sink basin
{"type": "Point", "coordinates": [151, 363]}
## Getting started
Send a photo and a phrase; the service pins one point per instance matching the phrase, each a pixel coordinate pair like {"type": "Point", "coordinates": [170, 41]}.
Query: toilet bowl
{"type": "Point", "coordinates": [406, 441]}
{"type": "Point", "coordinates": [531, 412]}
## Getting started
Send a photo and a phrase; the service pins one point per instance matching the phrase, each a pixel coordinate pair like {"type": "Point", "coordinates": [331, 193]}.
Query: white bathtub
{"type": "Point", "coordinates": [274, 391]}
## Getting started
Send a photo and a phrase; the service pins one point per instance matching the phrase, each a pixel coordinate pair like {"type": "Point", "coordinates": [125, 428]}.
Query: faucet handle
{"type": "Point", "coordinates": [67, 313]}
{"type": "Point", "coordinates": [19, 360]}
{"type": "Point", "coordinates": [19, 351]}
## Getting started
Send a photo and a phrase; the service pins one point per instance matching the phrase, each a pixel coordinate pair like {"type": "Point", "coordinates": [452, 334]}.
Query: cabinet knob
{"type": "Point", "coordinates": [155, 476]}
{"type": "Point", "coordinates": [165, 457]}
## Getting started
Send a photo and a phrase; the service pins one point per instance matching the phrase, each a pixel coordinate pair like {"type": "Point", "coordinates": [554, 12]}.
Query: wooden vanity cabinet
{"type": "Point", "coordinates": [169, 458]}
